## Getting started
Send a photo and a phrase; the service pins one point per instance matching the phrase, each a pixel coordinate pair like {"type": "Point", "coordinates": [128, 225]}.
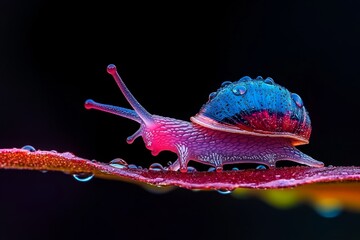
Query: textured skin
{"type": "Point", "coordinates": [275, 120]}
{"type": "Point", "coordinates": [217, 148]}
{"type": "Point", "coordinates": [257, 106]}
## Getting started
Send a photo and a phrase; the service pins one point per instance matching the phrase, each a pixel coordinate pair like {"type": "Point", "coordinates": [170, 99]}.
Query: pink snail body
{"type": "Point", "coordinates": [248, 121]}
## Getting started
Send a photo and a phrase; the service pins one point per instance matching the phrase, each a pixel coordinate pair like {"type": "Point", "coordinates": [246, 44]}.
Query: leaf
{"type": "Point", "coordinates": [328, 189]}
{"type": "Point", "coordinates": [286, 177]}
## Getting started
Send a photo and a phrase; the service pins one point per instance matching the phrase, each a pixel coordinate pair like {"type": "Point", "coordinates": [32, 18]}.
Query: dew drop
{"type": "Point", "coordinates": [329, 212]}
{"type": "Point", "coordinates": [211, 169]}
{"type": "Point", "coordinates": [212, 95]}
{"type": "Point", "coordinates": [29, 148]}
{"type": "Point", "coordinates": [297, 99]}
{"type": "Point", "coordinates": [223, 191]}
{"type": "Point", "coordinates": [245, 79]}
{"type": "Point", "coordinates": [261, 167]}
{"type": "Point", "coordinates": [118, 163]}
{"type": "Point", "coordinates": [83, 177]}
{"type": "Point", "coordinates": [226, 83]}
{"type": "Point", "coordinates": [269, 80]}
{"type": "Point", "coordinates": [156, 167]}
{"type": "Point", "coordinates": [239, 90]}
{"type": "Point", "coordinates": [259, 78]}
{"type": "Point", "coordinates": [191, 169]}
{"type": "Point", "coordinates": [132, 166]}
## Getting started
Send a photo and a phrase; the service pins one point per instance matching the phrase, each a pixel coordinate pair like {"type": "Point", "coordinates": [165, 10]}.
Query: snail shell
{"type": "Point", "coordinates": [256, 107]}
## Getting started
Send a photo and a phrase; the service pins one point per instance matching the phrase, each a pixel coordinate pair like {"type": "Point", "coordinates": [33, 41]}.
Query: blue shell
{"type": "Point", "coordinates": [256, 106]}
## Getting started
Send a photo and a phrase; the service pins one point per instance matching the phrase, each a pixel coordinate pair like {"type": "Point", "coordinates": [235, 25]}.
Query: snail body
{"type": "Point", "coordinates": [248, 121]}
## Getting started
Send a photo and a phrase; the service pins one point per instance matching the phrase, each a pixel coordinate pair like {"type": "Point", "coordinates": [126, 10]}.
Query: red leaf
{"type": "Point", "coordinates": [285, 177]}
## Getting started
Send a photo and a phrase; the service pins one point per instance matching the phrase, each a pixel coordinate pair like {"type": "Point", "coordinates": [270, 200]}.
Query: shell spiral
{"type": "Point", "coordinates": [257, 107]}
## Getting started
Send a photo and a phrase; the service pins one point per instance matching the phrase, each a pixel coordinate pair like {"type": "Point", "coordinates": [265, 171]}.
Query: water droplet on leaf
{"type": "Point", "coordinates": [83, 177]}
{"type": "Point", "coordinates": [156, 167]}
{"type": "Point", "coordinates": [223, 191]}
{"type": "Point", "coordinates": [329, 212]}
{"type": "Point", "coordinates": [29, 148]}
{"type": "Point", "coordinates": [261, 167]}
{"type": "Point", "coordinates": [118, 163]}
{"type": "Point", "coordinates": [132, 166]}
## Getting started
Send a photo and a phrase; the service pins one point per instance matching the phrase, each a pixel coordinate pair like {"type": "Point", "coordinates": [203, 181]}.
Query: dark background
{"type": "Point", "coordinates": [53, 56]}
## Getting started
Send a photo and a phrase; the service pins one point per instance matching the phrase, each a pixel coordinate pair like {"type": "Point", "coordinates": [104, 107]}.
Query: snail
{"type": "Point", "coordinates": [246, 121]}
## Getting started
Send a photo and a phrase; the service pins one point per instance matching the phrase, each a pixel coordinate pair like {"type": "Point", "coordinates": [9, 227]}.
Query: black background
{"type": "Point", "coordinates": [53, 56]}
